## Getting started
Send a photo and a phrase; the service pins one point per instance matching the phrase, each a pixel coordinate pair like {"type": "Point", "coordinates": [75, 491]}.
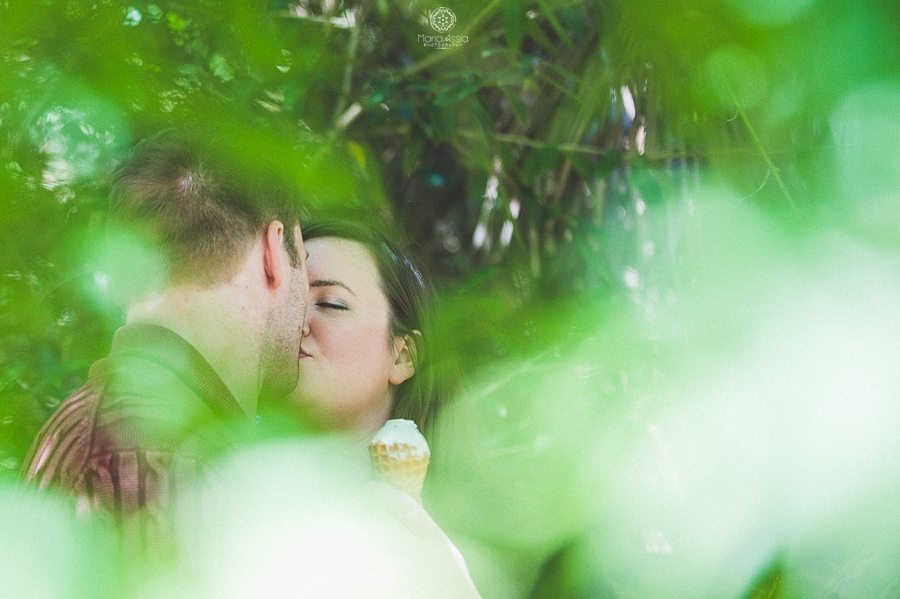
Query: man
{"type": "Point", "coordinates": [197, 350]}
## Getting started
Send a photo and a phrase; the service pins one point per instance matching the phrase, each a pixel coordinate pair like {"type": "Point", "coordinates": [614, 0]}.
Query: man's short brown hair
{"type": "Point", "coordinates": [201, 203]}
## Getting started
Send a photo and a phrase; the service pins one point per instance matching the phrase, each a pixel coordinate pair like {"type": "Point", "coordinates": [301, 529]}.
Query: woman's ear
{"type": "Point", "coordinates": [404, 366]}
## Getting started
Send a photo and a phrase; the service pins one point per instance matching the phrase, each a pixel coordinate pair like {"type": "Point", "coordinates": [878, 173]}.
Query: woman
{"type": "Point", "coordinates": [365, 358]}
{"type": "Point", "coordinates": [366, 355]}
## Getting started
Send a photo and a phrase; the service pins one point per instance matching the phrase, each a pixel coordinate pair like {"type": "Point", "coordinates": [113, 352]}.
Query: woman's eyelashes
{"type": "Point", "coordinates": [332, 305]}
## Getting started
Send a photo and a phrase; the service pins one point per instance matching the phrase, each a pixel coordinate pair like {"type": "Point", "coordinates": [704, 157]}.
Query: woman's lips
{"type": "Point", "coordinates": [303, 354]}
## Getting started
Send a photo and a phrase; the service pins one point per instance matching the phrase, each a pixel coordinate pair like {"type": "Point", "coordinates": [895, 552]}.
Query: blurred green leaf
{"type": "Point", "coordinates": [514, 19]}
{"type": "Point", "coordinates": [175, 21]}
{"type": "Point", "coordinates": [220, 67]}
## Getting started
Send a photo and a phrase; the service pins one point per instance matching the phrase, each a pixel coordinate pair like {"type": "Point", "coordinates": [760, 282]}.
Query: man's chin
{"type": "Point", "coordinates": [277, 385]}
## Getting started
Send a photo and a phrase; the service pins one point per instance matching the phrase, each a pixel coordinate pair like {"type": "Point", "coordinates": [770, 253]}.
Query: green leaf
{"type": "Point", "coordinates": [155, 12]}
{"type": "Point", "coordinates": [220, 67]}
{"type": "Point", "coordinates": [514, 19]}
{"type": "Point", "coordinates": [176, 21]}
{"type": "Point", "coordinates": [457, 91]}
{"type": "Point", "coordinates": [537, 161]}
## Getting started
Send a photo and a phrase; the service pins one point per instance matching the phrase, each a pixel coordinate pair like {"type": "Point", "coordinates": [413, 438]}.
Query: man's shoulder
{"type": "Point", "coordinates": [63, 445]}
{"type": "Point", "coordinates": [143, 422]}
{"type": "Point", "coordinates": [102, 452]}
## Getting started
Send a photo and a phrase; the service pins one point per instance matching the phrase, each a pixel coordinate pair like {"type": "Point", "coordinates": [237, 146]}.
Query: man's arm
{"type": "Point", "coordinates": [62, 447]}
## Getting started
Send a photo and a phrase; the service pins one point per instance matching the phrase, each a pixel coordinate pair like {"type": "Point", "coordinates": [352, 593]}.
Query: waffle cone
{"type": "Point", "coordinates": [397, 465]}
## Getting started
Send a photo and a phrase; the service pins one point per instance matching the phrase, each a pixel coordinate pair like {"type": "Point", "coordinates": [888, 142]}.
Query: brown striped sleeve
{"type": "Point", "coordinates": [62, 448]}
{"type": "Point", "coordinates": [116, 472]}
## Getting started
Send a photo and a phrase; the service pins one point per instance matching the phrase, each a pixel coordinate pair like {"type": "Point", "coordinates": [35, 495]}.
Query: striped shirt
{"type": "Point", "coordinates": [129, 445]}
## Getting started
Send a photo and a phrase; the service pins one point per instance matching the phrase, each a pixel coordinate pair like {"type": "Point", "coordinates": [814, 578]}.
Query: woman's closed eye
{"type": "Point", "coordinates": [332, 305]}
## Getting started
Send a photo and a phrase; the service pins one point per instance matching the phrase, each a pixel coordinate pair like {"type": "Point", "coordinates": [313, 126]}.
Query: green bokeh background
{"type": "Point", "coordinates": [557, 174]}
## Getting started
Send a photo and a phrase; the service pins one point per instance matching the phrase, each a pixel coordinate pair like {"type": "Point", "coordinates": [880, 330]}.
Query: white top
{"type": "Point", "coordinates": [403, 432]}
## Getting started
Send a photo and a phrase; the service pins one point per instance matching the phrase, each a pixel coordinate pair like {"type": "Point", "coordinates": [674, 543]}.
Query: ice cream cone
{"type": "Point", "coordinates": [400, 456]}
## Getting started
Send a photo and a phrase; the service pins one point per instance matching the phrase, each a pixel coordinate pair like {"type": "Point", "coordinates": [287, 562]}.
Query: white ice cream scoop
{"type": "Point", "coordinates": [400, 456]}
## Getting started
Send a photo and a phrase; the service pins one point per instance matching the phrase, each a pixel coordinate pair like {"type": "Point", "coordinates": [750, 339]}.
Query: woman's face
{"type": "Point", "coordinates": [348, 361]}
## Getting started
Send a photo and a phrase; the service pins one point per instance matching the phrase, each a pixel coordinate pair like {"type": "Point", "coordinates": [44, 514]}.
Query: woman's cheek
{"type": "Point", "coordinates": [345, 346]}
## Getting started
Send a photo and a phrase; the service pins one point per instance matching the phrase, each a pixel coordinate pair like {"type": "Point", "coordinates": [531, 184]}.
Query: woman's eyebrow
{"type": "Point", "coordinates": [329, 283]}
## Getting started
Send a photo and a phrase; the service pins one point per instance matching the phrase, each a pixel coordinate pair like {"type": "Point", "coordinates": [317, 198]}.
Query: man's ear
{"type": "Point", "coordinates": [273, 242]}
{"type": "Point", "coordinates": [404, 366]}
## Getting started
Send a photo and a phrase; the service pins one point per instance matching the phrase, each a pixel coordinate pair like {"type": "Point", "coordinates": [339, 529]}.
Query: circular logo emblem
{"type": "Point", "coordinates": [442, 19]}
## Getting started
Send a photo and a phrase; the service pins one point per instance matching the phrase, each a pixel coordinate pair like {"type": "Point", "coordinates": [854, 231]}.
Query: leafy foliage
{"type": "Point", "coordinates": [540, 167]}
